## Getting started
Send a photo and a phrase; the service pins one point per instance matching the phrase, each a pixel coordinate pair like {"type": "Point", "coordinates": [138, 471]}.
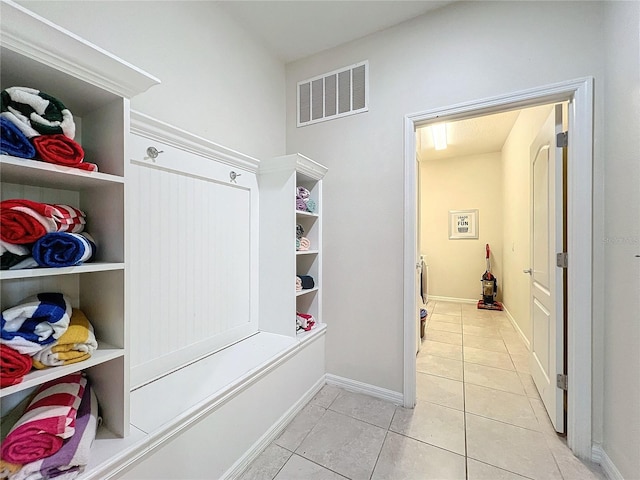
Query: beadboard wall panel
{"type": "Point", "coordinates": [193, 248]}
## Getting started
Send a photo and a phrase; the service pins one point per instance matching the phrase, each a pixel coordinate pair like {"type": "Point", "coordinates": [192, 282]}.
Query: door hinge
{"type": "Point", "coordinates": [562, 260]}
{"type": "Point", "coordinates": [561, 381]}
{"type": "Point", "coordinates": [562, 139]}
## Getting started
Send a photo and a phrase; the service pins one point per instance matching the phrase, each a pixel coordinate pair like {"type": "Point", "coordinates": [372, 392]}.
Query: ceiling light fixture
{"type": "Point", "coordinates": [439, 134]}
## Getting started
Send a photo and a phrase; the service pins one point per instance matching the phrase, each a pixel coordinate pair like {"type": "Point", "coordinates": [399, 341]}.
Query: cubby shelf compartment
{"type": "Point", "coordinates": [104, 353]}
{"type": "Point", "coordinates": [96, 87]}
{"type": "Point", "coordinates": [279, 179]}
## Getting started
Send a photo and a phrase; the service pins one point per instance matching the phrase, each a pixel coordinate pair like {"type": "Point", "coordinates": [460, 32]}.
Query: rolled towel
{"type": "Point", "coordinates": [13, 366]}
{"type": "Point", "coordinates": [25, 221]}
{"type": "Point", "coordinates": [13, 141]}
{"type": "Point", "coordinates": [302, 193]}
{"type": "Point", "coordinates": [301, 205]}
{"type": "Point", "coordinates": [305, 244]}
{"type": "Point", "coordinates": [43, 113]}
{"type": "Point", "coordinates": [7, 468]}
{"type": "Point", "coordinates": [72, 458]}
{"type": "Point", "coordinates": [9, 260]}
{"type": "Point", "coordinates": [11, 254]}
{"type": "Point", "coordinates": [311, 206]}
{"type": "Point", "coordinates": [26, 262]}
{"type": "Point", "coordinates": [59, 149]}
{"type": "Point", "coordinates": [20, 250]}
{"type": "Point", "coordinates": [298, 284]}
{"type": "Point", "coordinates": [74, 345]}
{"type": "Point", "coordinates": [35, 322]}
{"type": "Point", "coordinates": [63, 249]}
{"type": "Point", "coordinates": [49, 419]}
{"type": "Point", "coordinates": [299, 231]}
{"type": "Point", "coordinates": [305, 321]}
{"type": "Point", "coordinates": [307, 281]}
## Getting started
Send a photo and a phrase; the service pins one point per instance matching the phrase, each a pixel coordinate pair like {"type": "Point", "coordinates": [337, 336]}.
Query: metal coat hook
{"type": "Point", "coordinates": [233, 175]}
{"type": "Point", "coordinates": [152, 153]}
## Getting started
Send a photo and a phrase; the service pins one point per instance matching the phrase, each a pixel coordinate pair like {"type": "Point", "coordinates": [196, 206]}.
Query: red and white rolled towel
{"type": "Point", "coordinates": [25, 221]}
{"type": "Point", "coordinates": [13, 366]}
{"type": "Point", "coordinates": [305, 321]}
{"type": "Point", "coordinates": [72, 458]}
{"type": "Point", "coordinates": [49, 419]}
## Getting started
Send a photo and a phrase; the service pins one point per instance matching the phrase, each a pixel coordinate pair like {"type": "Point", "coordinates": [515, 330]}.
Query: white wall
{"type": "Point", "coordinates": [516, 201]}
{"type": "Point", "coordinates": [218, 82]}
{"type": "Point", "coordinates": [462, 52]}
{"type": "Point", "coordinates": [461, 183]}
{"type": "Point", "coordinates": [621, 238]}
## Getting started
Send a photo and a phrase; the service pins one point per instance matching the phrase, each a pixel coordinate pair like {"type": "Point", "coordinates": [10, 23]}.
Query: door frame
{"type": "Point", "coordinates": [579, 233]}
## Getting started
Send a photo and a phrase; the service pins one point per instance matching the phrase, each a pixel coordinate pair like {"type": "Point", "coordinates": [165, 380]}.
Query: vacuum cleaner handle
{"type": "Point", "coordinates": [488, 251]}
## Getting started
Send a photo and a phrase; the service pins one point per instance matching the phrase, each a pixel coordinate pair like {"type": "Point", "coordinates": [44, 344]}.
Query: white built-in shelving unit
{"type": "Point", "coordinates": [95, 86]}
{"type": "Point", "coordinates": [280, 262]}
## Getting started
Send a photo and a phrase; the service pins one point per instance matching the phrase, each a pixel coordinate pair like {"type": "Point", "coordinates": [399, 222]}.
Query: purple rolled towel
{"type": "Point", "coordinates": [301, 205]}
{"type": "Point", "coordinates": [302, 192]}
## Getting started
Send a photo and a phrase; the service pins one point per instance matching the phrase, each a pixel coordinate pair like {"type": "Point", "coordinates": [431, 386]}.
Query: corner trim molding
{"type": "Point", "coordinates": [599, 456]}
{"type": "Point", "coordinates": [365, 388]}
{"type": "Point", "coordinates": [517, 328]}
{"type": "Point", "coordinates": [154, 129]}
{"type": "Point", "coordinates": [270, 435]}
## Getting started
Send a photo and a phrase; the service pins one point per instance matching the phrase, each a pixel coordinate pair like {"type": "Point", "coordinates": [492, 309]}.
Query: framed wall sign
{"type": "Point", "coordinates": [463, 224]}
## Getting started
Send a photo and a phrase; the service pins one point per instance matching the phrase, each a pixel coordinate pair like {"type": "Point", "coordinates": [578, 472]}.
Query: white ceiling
{"type": "Point", "coordinates": [298, 28]}
{"type": "Point", "coordinates": [468, 137]}
{"type": "Point", "coordinates": [295, 29]}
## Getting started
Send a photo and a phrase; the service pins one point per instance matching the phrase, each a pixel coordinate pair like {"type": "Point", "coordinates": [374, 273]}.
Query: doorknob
{"type": "Point", "coordinates": [528, 270]}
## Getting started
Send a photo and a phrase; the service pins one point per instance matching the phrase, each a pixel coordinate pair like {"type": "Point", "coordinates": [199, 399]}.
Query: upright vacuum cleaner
{"type": "Point", "coordinates": [489, 287]}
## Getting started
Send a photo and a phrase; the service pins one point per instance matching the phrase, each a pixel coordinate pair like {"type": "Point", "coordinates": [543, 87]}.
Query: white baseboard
{"type": "Point", "coordinates": [437, 298]}
{"type": "Point", "coordinates": [365, 388]}
{"type": "Point", "coordinates": [599, 456]}
{"type": "Point", "coordinates": [517, 327]}
{"type": "Point", "coordinates": [270, 435]}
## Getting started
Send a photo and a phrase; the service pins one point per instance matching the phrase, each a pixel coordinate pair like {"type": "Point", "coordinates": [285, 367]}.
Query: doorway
{"type": "Point", "coordinates": [579, 175]}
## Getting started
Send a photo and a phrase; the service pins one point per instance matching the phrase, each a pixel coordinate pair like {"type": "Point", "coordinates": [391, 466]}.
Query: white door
{"type": "Point", "coordinates": [418, 262]}
{"type": "Point", "coordinates": [547, 340]}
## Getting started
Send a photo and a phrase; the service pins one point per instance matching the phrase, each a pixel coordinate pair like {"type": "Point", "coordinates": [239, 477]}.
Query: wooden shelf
{"type": "Point", "coordinates": [46, 272]}
{"type": "Point", "coordinates": [300, 213]}
{"type": "Point", "coordinates": [306, 291]}
{"type": "Point", "coordinates": [42, 174]}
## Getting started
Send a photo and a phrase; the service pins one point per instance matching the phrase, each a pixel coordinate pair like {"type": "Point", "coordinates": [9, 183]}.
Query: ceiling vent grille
{"type": "Point", "coordinates": [333, 95]}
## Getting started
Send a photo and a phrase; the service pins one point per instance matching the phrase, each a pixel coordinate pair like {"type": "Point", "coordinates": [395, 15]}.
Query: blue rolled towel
{"type": "Point", "coordinates": [13, 141]}
{"type": "Point", "coordinates": [307, 281]}
{"type": "Point", "coordinates": [35, 322]}
{"type": "Point", "coordinates": [63, 249]}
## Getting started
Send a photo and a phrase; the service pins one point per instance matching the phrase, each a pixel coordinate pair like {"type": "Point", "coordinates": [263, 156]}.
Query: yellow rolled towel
{"type": "Point", "coordinates": [75, 345]}
{"type": "Point", "coordinates": [7, 468]}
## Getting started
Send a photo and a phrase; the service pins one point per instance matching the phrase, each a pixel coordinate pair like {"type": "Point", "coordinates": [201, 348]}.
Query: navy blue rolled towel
{"type": "Point", "coordinates": [307, 281]}
{"type": "Point", "coordinates": [13, 141]}
{"type": "Point", "coordinates": [63, 249]}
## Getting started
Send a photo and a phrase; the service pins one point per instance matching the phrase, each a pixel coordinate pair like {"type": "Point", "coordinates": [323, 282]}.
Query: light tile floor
{"type": "Point", "coordinates": [478, 417]}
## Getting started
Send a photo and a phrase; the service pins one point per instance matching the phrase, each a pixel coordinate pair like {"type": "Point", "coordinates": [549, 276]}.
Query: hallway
{"type": "Point", "coordinates": [478, 416]}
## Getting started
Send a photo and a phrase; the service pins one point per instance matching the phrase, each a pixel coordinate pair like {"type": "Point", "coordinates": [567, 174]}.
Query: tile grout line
{"type": "Point", "coordinates": [464, 404]}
